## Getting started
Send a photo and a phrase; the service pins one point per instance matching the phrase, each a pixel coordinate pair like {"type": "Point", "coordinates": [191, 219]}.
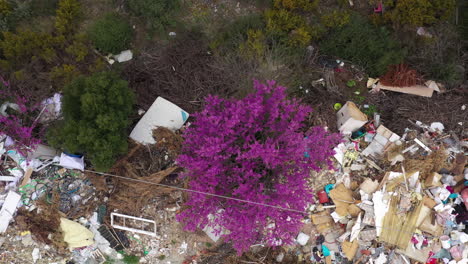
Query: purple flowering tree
{"type": "Point", "coordinates": [252, 149]}
{"type": "Point", "coordinates": [19, 123]}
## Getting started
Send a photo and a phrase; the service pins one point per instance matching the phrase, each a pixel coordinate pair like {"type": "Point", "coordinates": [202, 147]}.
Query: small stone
{"type": "Point", "coordinates": [280, 257]}
{"type": "Point", "coordinates": [306, 249]}
{"type": "Point", "coordinates": [27, 240]}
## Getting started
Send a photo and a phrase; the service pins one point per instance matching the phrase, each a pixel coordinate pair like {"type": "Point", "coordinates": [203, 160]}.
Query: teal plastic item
{"type": "Point", "coordinates": [329, 187]}
{"type": "Point", "coordinates": [184, 116]}
{"type": "Point", "coordinates": [325, 251]}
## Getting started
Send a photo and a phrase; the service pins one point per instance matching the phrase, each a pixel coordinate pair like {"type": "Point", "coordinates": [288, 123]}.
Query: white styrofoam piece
{"type": "Point", "coordinates": [8, 178]}
{"type": "Point", "coordinates": [71, 162]}
{"type": "Point", "coordinates": [124, 56]}
{"type": "Point", "coordinates": [302, 239]}
{"type": "Point", "coordinates": [381, 207]}
{"type": "Point", "coordinates": [8, 209]}
{"type": "Point", "coordinates": [162, 113]}
{"type": "Point", "coordinates": [210, 230]}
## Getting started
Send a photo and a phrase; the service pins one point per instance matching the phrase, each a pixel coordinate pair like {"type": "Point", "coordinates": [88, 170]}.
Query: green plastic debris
{"type": "Point", "coordinates": [337, 106]}
{"type": "Point", "coordinates": [351, 83]}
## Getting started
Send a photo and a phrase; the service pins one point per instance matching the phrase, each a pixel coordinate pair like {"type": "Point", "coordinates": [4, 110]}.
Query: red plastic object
{"type": "Point", "coordinates": [431, 260]}
{"type": "Point", "coordinates": [379, 8]}
{"type": "Point", "coordinates": [464, 195]}
{"type": "Point", "coordinates": [323, 197]}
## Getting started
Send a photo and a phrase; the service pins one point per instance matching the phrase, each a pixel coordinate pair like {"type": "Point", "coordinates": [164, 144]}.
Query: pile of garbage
{"type": "Point", "coordinates": [396, 199]}
{"type": "Point", "coordinates": [53, 209]}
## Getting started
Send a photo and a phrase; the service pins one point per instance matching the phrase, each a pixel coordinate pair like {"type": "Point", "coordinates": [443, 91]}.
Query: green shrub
{"type": "Point", "coordinates": [236, 32]}
{"type": "Point", "coordinates": [111, 34]}
{"type": "Point", "coordinates": [96, 111]}
{"type": "Point", "coordinates": [64, 74]}
{"type": "Point", "coordinates": [463, 19]}
{"type": "Point", "coordinates": [78, 48]}
{"type": "Point", "coordinates": [255, 45]}
{"type": "Point", "coordinates": [280, 22]}
{"type": "Point", "coordinates": [364, 44]}
{"type": "Point", "coordinates": [299, 37]}
{"type": "Point", "coordinates": [44, 7]}
{"type": "Point", "coordinates": [289, 29]}
{"type": "Point", "coordinates": [5, 8]}
{"type": "Point", "coordinates": [159, 14]}
{"type": "Point", "coordinates": [336, 18]}
{"type": "Point", "coordinates": [21, 47]}
{"type": "Point", "coordinates": [419, 12]}
{"type": "Point", "coordinates": [12, 12]}
{"type": "Point", "coordinates": [67, 17]}
{"type": "Point", "coordinates": [440, 57]}
{"type": "Point", "coordinates": [301, 5]}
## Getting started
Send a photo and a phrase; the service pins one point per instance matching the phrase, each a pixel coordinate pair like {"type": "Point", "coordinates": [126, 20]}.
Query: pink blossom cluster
{"type": "Point", "coordinates": [19, 124]}
{"type": "Point", "coordinates": [252, 149]}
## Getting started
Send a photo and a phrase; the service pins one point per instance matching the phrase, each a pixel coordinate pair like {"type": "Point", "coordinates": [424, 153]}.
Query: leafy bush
{"type": "Point", "coordinates": [158, 13]}
{"type": "Point", "coordinates": [255, 45]}
{"type": "Point", "coordinates": [280, 22]}
{"type": "Point", "coordinates": [364, 44]}
{"type": "Point", "coordinates": [23, 46]}
{"type": "Point", "coordinates": [304, 5]}
{"type": "Point", "coordinates": [252, 149]}
{"type": "Point", "coordinates": [13, 11]}
{"type": "Point", "coordinates": [236, 32]}
{"type": "Point", "coordinates": [5, 8]}
{"type": "Point", "coordinates": [299, 37]}
{"type": "Point", "coordinates": [418, 12]}
{"type": "Point", "coordinates": [111, 34]}
{"type": "Point", "coordinates": [440, 57]}
{"type": "Point", "coordinates": [64, 74]}
{"type": "Point", "coordinates": [78, 48]}
{"type": "Point", "coordinates": [44, 7]}
{"type": "Point", "coordinates": [96, 111]}
{"type": "Point", "coordinates": [336, 18]}
{"type": "Point", "coordinates": [66, 20]}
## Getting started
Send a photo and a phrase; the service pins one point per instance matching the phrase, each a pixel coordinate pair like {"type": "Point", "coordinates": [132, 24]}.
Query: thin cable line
{"type": "Point", "coordinates": [401, 230]}
{"type": "Point", "coordinates": [199, 192]}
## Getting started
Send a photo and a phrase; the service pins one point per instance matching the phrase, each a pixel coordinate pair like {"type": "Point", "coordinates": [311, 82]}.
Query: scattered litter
{"type": "Point", "coordinates": [124, 56]}
{"type": "Point", "coordinates": [350, 118]}
{"type": "Point", "coordinates": [161, 113]}
{"type": "Point", "coordinates": [8, 210]}
{"type": "Point", "coordinates": [36, 254]}
{"type": "Point", "coordinates": [52, 108]}
{"type": "Point", "coordinates": [421, 31]}
{"type": "Point", "coordinates": [420, 90]}
{"type": "Point", "coordinates": [129, 223]}
{"type": "Point", "coordinates": [75, 235]}
{"type": "Point", "coordinates": [71, 162]}
{"type": "Point", "coordinates": [302, 239]}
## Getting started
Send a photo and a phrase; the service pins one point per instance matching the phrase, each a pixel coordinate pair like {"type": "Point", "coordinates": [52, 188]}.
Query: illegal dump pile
{"type": "Point", "coordinates": [53, 209]}
{"type": "Point", "coordinates": [396, 199]}
{"type": "Point", "coordinates": [390, 199]}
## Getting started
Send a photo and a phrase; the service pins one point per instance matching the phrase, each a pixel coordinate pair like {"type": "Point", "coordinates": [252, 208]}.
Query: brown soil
{"type": "Point", "coordinates": [181, 72]}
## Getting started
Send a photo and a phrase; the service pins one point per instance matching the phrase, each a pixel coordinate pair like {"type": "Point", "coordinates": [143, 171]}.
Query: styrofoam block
{"type": "Point", "coordinates": [302, 239]}
{"type": "Point", "coordinates": [162, 113]}
{"type": "Point", "coordinates": [70, 162]}
{"type": "Point", "coordinates": [8, 209]}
